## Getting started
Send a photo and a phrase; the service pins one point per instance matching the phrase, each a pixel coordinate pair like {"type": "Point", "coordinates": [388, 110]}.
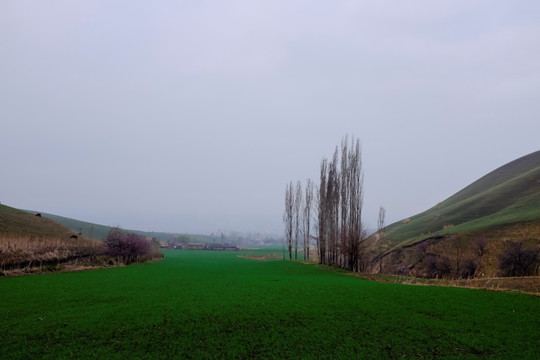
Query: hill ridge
{"type": "Point", "coordinates": [508, 194]}
{"type": "Point", "coordinates": [501, 174]}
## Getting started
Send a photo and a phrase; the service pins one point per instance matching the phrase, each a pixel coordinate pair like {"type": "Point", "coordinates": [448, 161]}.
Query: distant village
{"type": "Point", "coordinates": [200, 246]}
{"type": "Point", "coordinates": [222, 242]}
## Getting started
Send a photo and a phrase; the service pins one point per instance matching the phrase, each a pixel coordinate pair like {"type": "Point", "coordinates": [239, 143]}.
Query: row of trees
{"type": "Point", "coordinates": [340, 231]}
{"type": "Point", "coordinates": [297, 218]}
{"type": "Point", "coordinates": [334, 211]}
{"type": "Point", "coordinates": [338, 227]}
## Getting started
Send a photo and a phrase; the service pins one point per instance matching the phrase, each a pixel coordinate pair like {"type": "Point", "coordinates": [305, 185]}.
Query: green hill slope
{"type": "Point", "coordinates": [24, 223]}
{"type": "Point", "coordinates": [507, 195]}
{"type": "Point", "coordinates": [96, 231]}
{"type": "Point", "coordinates": [18, 223]}
{"type": "Point", "coordinates": [93, 231]}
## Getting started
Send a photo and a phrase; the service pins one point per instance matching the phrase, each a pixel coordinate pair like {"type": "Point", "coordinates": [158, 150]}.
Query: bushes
{"type": "Point", "coordinates": [438, 266]}
{"type": "Point", "coordinates": [517, 260]}
{"type": "Point", "coordinates": [129, 247]}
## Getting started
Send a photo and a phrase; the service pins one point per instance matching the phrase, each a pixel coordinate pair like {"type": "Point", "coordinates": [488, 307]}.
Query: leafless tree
{"type": "Point", "coordinates": [458, 247]}
{"type": "Point", "coordinates": [308, 203]}
{"type": "Point", "coordinates": [380, 233]}
{"type": "Point", "coordinates": [480, 245]}
{"type": "Point", "coordinates": [297, 217]}
{"type": "Point", "coordinates": [380, 222]}
{"type": "Point", "coordinates": [322, 232]}
{"type": "Point", "coordinates": [519, 260]}
{"type": "Point", "coordinates": [288, 217]}
{"type": "Point", "coordinates": [345, 193]}
{"type": "Point", "coordinates": [340, 231]}
{"type": "Point", "coordinates": [332, 210]}
{"type": "Point", "coordinates": [353, 235]}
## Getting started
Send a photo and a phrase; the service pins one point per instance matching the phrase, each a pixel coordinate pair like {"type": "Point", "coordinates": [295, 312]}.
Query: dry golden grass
{"type": "Point", "coordinates": [525, 284]}
{"type": "Point", "coordinates": [264, 257]}
{"type": "Point", "coordinates": [27, 251]}
{"type": "Point", "coordinates": [28, 241]}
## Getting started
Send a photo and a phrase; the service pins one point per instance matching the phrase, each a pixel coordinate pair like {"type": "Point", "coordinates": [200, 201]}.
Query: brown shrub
{"type": "Point", "coordinates": [518, 260]}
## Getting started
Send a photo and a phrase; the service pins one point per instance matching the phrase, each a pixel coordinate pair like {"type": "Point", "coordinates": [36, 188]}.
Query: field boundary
{"type": "Point", "coordinates": [529, 285]}
{"type": "Point", "coordinates": [265, 257]}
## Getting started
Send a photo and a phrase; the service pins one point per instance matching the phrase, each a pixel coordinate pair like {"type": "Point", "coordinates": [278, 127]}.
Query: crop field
{"type": "Point", "coordinates": [212, 305]}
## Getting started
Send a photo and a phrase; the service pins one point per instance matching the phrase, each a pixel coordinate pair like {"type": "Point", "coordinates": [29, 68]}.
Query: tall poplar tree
{"type": "Point", "coordinates": [288, 217]}
{"type": "Point", "coordinates": [340, 231]}
{"type": "Point", "coordinates": [306, 218]}
{"type": "Point", "coordinates": [297, 217]}
{"type": "Point", "coordinates": [322, 232]}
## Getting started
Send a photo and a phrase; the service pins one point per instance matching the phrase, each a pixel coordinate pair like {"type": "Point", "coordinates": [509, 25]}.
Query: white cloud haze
{"type": "Point", "coordinates": [191, 116]}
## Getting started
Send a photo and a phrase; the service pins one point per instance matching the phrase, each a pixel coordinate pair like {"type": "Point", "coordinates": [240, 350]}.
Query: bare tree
{"type": "Point", "coordinates": [308, 203]}
{"type": "Point", "coordinates": [288, 217]}
{"type": "Point", "coordinates": [340, 208]}
{"type": "Point", "coordinates": [345, 192]}
{"type": "Point", "coordinates": [380, 233]}
{"type": "Point", "coordinates": [356, 200]}
{"type": "Point", "coordinates": [127, 247]}
{"type": "Point", "coordinates": [322, 232]}
{"type": "Point", "coordinates": [297, 216]}
{"type": "Point", "coordinates": [518, 260]}
{"type": "Point", "coordinates": [332, 209]}
{"type": "Point", "coordinates": [340, 231]}
{"type": "Point", "coordinates": [480, 245]}
{"type": "Point", "coordinates": [458, 247]}
{"type": "Point", "coordinates": [380, 222]}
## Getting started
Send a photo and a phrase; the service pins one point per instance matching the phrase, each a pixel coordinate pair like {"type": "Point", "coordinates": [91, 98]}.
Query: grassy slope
{"type": "Point", "coordinates": [15, 222]}
{"type": "Point", "coordinates": [208, 305]}
{"type": "Point", "coordinates": [97, 231]}
{"type": "Point", "coordinates": [508, 195]}
{"type": "Point", "coordinates": [29, 242]}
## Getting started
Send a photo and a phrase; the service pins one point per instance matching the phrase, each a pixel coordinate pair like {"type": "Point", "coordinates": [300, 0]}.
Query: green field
{"type": "Point", "coordinates": [204, 305]}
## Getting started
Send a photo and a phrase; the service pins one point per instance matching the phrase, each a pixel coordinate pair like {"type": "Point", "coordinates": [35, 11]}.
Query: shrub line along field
{"type": "Point", "coordinates": [213, 305]}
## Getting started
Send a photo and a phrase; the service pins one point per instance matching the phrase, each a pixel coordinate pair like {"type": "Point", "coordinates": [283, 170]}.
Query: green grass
{"type": "Point", "coordinates": [94, 231]}
{"type": "Point", "coordinates": [205, 305]}
{"type": "Point", "coordinates": [10, 210]}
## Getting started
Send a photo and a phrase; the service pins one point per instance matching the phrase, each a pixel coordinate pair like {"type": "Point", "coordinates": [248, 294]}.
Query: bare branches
{"type": "Point", "coordinates": [322, 238]}
{"type": "Point", "coordinates": [380, 222]}
{"type": "Point", "coordinates": [288, 217]}
{"type": "Point", "coordinates": [341, 231]}
{"type": "Point", "coordinates": [339, 228]}
{"type": "Point", "coordinates": [297, 217]}
{"type": "Point", "coordinates": [306, 218]}
{"type": "Point", "coordinates": [380, 235]}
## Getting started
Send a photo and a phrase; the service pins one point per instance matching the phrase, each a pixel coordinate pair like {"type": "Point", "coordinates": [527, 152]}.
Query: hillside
{"type": "Point", "coordinates": [28, 240]}
{"type": "Point", "coordinates": [19, 223]}
{"type": "Point", "coordinates": [491, 228]}
{"type": "Point", "coordinates": [506, 196]}
{"type": "Point", "coordinates": [99, 232]}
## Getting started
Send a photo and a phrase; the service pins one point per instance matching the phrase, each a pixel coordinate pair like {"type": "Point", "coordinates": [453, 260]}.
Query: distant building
{"type": "Point", "coordinates": [221, 247]}
{"type": "Point", "coordinates": [194, 246]}
{"type": "Point", "coordinates": [199, 246]}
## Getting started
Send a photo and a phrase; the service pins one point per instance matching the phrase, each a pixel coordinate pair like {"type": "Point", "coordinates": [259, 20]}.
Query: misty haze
{"type": "Point", "coordinates": [199, 179]}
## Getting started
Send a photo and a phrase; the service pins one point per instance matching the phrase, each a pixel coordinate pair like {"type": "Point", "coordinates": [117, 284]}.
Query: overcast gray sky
{"type": "Point", "coordinates": [191, 116]}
